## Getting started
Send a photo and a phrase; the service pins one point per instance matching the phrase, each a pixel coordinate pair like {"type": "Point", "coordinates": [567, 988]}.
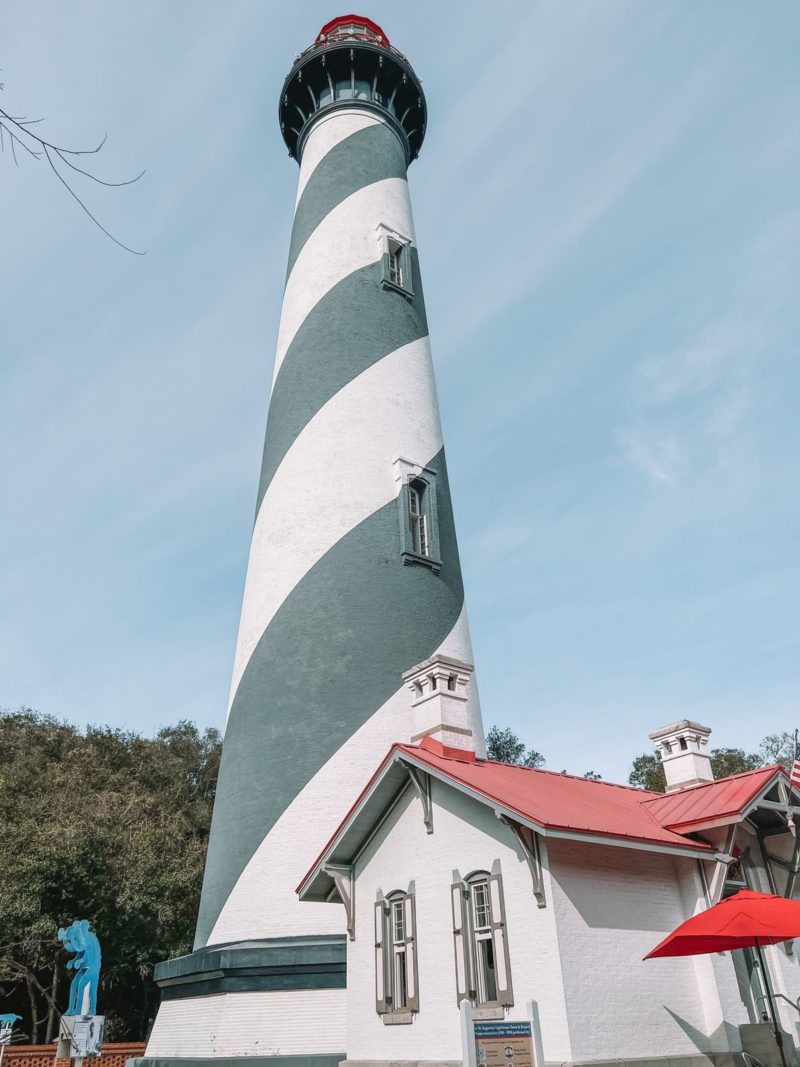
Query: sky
{"type": "Point", "coordinates": [609, 227]}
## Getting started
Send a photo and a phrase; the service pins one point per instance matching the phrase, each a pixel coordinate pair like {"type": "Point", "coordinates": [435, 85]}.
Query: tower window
{"type": "Point", "coordinates": [418, 519]}
{"type": "Point", "coordinates": [396, 262]}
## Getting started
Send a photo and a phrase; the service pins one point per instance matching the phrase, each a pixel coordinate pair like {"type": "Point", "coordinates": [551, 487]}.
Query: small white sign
{"type": "Point", "coordinates": [81, 1036]}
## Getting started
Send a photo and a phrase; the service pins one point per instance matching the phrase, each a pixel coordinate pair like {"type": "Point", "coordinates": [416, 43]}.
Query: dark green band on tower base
{"type": "Point", "coordinates": [313, 962]}
{"type": "Point", "coordinates": [331, 657]}
{"type": "Point", "coordinates": [332, 347]}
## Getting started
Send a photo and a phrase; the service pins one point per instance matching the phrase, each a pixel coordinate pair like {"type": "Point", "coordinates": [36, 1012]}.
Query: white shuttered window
{"type": "Point", "coordinates": [396, 967]}
{"type": "Point", "coordinates": [483, 972]}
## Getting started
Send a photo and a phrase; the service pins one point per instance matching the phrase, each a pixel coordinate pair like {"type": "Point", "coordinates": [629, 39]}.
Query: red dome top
{"type": "Point", "coordinates": [353, 26]}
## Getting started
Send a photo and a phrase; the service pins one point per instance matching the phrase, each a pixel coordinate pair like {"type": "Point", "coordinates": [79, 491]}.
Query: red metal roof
{"type": "Point", "coordinates": [700, 805]}
{"type": "Point", "coordinates": [557, 801]}
{"type": "Point", "coordinates": [576, 805]}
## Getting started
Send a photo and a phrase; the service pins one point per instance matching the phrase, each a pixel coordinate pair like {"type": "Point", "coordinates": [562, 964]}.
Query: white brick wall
{"type": "Point", "coordinates": [468, 837]}
{"type": "Point", "coordinates": [612, 906]}
{"type": "Point", "coordinates": [287, 1022]}
{"type": "Point", "coordinates": [580, 957]}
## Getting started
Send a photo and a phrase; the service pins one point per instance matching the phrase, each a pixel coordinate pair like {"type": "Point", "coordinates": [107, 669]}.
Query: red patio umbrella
{"type": "Point", "coordinates": [744, 920]}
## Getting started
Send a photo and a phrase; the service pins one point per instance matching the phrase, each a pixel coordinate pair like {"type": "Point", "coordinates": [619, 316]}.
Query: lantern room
{"type": "Point", "coordinates": [352, 64]}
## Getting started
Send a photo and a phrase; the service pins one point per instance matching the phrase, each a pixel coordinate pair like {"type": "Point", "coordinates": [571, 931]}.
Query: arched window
{"type": "Point", "coordinates": [396, 262]}
{"type": "Point", "coordinates": [418, 512]}
{"type": "Point", "coordinates": [483, 971]}
{"type": "Point", "coordinates": [483, 941]}
{"type": "Point", "coordinates": [396, 982]}
{"type": "Point", "coordinates": [397, 932]}
{"type": "Point", "coordinates": [418, 518]}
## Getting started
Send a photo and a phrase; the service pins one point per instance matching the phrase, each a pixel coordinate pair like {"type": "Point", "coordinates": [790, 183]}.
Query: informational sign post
{"type": "Point", "coordinates": [80, 1036]}
{"type": "Point", "coordinates": [80, 1032]}
{"type": "Point", "coordinates": [503, 1044]}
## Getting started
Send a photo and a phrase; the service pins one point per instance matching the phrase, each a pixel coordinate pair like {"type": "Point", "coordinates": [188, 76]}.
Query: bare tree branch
{"type": "Point", "coordinates": [100, 181]}
{"type": "Point", "coordinates": [16, 127]}
{"type": "Point", "coordinates": [96, 221]}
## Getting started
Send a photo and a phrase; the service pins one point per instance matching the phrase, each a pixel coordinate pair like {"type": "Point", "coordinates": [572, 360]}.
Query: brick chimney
{"type": "Point", "coordinates": [439, 701]}
{"type": "Point", "coordinates": [683, 748]}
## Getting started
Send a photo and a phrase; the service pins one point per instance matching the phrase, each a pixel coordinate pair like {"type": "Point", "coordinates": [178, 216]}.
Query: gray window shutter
{"type": "Point", "coordinates": [406, 257]}
{"type": "Point", "coordinates": [411, 493]}
{"type": "Point", "coordinates": [505, 991]}
{"type": "Point", "coordinates": [460, 939]}
{"type": "Point", "coordinates": [381, 999]}
{"type": "Point", "coordinates": [412, 968]}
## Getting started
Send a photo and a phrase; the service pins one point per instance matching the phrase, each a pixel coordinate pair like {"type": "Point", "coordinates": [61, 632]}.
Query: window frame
{"type": "Point", "coordinates": [481, 936]}
{"type": "Point", "coordinates": [422, 481]}
{"type": "Point", "coordinates": [395, 263]}
{"type": "Point", "coordinates": [417, 518]}
{"type": "Point", "coordinates": [486, 987]}
{"type": "Point", "coordinates": [399, 964]}
{"type": "Point", "coordinates": [396, 246]}
{"type": "Point", "coordinates": [396, 961]}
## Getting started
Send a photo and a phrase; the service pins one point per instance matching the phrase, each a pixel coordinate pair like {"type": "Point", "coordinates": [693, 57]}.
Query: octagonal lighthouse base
{"type": "Point", "coordinates": [274, 1002]}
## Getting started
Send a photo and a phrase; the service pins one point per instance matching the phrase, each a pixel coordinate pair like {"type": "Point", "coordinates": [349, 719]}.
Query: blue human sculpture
{"type": "Point", "coordinates": [78, 938]}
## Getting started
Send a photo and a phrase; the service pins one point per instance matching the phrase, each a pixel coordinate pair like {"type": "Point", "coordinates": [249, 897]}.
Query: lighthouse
{"type": "Point", "coordinates": [353, 578]}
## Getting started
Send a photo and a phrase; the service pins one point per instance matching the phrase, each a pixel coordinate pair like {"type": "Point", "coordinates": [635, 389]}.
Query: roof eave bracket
{"type": "Point", "coordinates": [529, 843]}
{"type": "Point", "coordinates": [344, 879]}
{"type": "Point", "coordinates": [422, 787]}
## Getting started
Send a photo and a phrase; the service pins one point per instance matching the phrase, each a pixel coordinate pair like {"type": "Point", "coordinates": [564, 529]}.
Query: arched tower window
{"type": "Point", "coordinates": [418, 512]}
{"type": "Point", "coordinates": [418, 520]}
{"type": "Point", "coordinates": [396, 262]}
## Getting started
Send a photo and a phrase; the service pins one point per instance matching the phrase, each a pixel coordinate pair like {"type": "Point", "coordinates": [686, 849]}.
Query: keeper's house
{"type": "Point", "coordinates": [463, 878]}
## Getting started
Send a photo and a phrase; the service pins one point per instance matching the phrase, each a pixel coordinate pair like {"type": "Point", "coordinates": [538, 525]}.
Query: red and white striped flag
{"type": "Point", "coordinates": [794, 774]}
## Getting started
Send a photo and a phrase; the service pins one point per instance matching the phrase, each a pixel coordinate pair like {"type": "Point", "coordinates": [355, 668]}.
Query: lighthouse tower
{"type": "Point", "coordinates": [353, 577]}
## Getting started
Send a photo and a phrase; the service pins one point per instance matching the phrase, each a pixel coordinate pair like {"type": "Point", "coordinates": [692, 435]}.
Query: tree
{"type": "Point", "coordinates": [103, 825]}
{"type": "Point", "coordinates": [647, 773]}
{"type": "Point", "coordinates": [593, 776]}
{"type": "Point", "coordinates": [728, 761]}
{"type": "Point", "coordinates": [503, 746]}
{"type": "Point", "coordinates": [778, 748]}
